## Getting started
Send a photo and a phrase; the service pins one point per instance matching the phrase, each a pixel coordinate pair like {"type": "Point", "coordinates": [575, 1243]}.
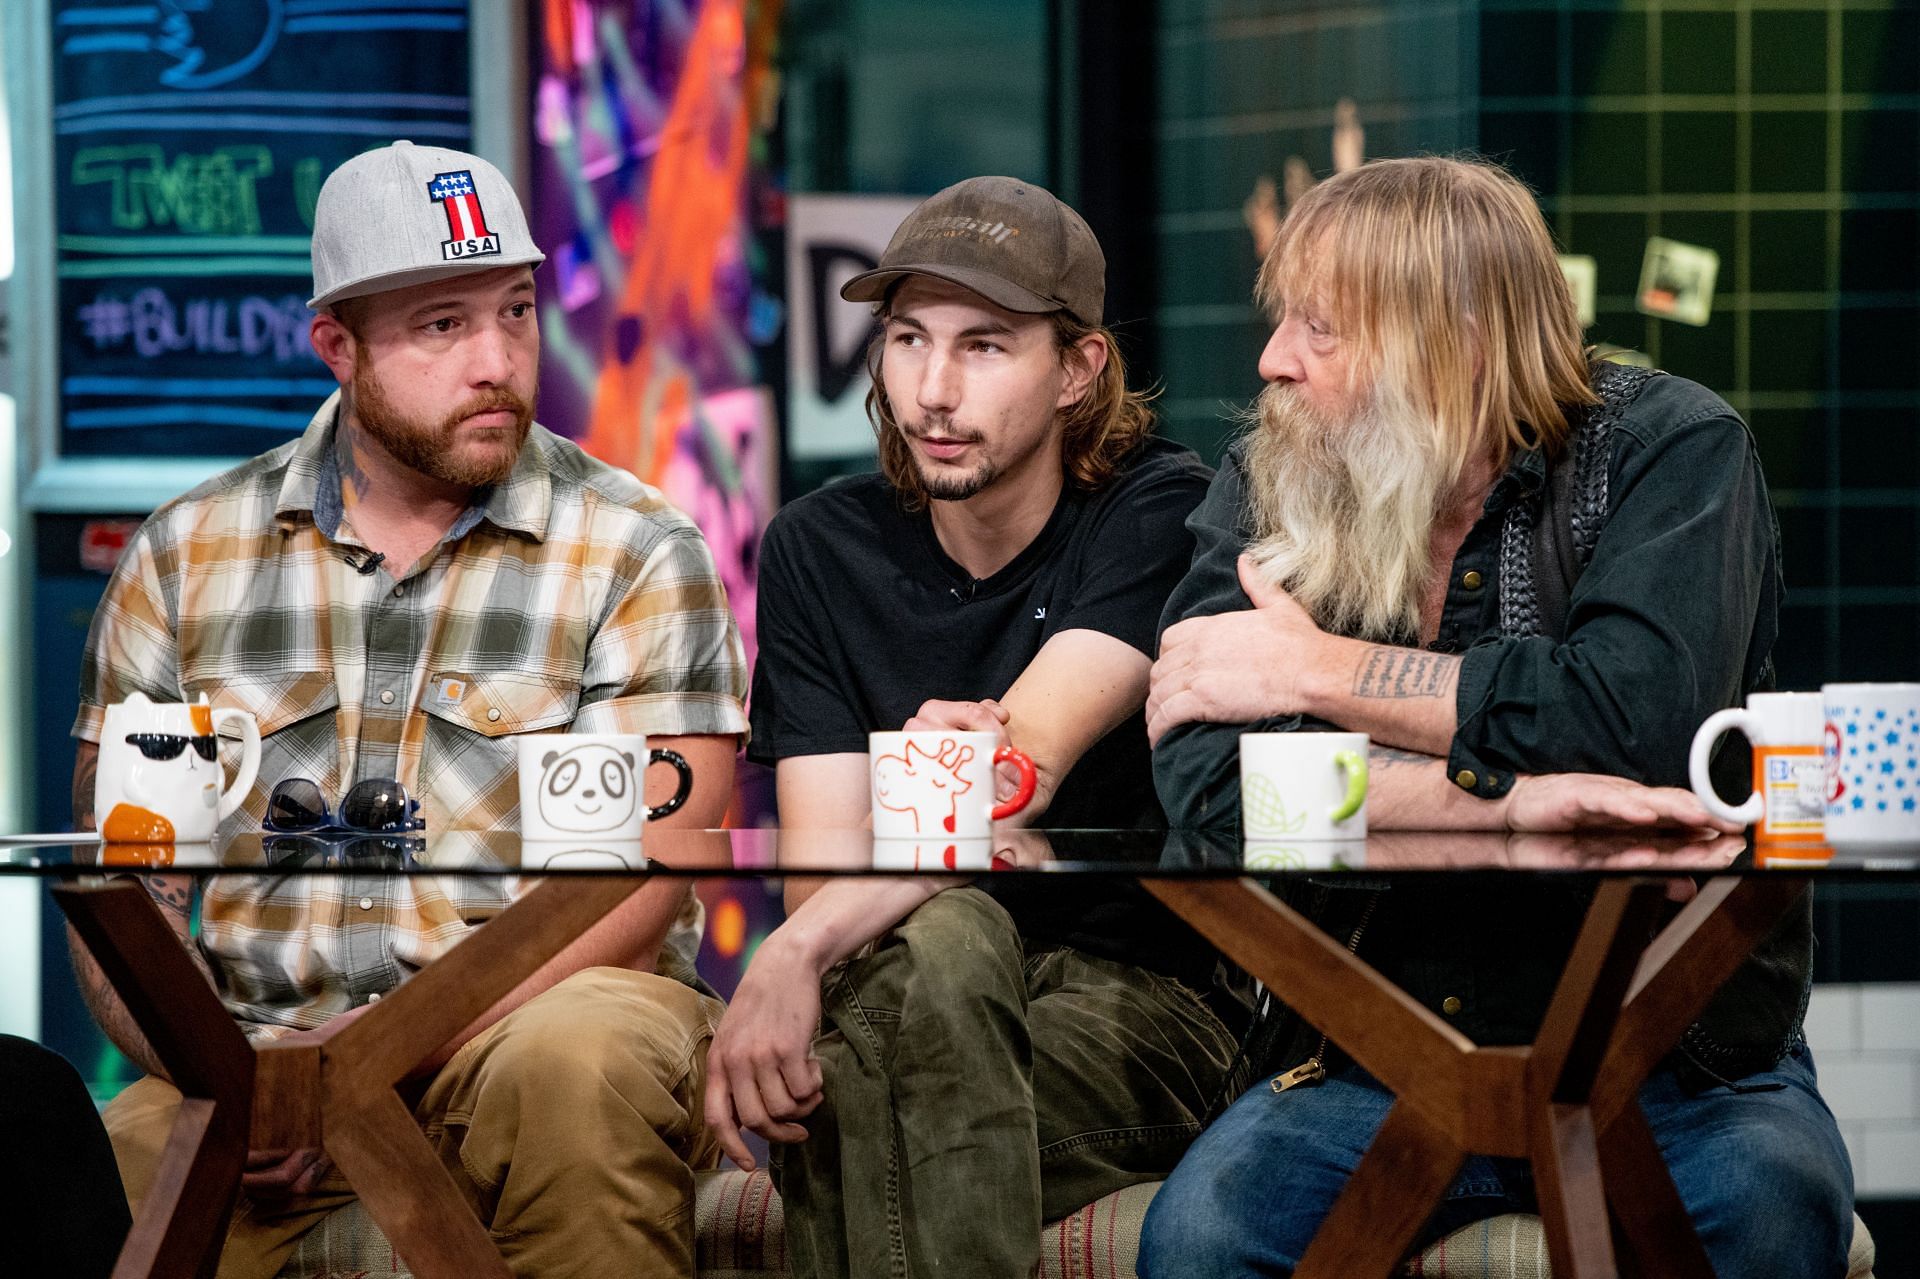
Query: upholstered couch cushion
{"type": "Point", "coordinates": [740, 1233]}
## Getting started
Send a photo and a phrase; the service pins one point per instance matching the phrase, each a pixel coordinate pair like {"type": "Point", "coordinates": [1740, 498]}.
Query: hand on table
{"type": "Point", "coordinates": [761, 1071]}
{"type": "Point", "coordinates": [1592, 801]}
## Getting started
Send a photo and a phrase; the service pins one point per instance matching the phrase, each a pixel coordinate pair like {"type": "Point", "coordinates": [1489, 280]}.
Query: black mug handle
{"type": "Point", "coordinates": [680, 766]}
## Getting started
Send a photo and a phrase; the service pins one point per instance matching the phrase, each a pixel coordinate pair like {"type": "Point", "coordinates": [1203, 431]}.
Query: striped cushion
{"type": "Point", "coordinates": [1101, 1241]}
{"type": "Point", "coordinates": [739, 1227]}
{"type": "Point", "coordinates": [347, 1245]}
{"type": "Point", "coordinates": [1508, 1247]}
{"type": "Point", "coordinates": [740, 1233]}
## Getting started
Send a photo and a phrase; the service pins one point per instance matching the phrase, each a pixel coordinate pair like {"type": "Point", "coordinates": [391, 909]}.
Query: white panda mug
{"type": "Point", "coordinates": [591, 784]}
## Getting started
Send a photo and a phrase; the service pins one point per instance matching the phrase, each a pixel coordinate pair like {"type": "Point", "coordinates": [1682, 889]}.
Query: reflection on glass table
{"type": "Point", "coordinates": [769, 851]}
{"type": "Point", "coordinates": [1667, 919]}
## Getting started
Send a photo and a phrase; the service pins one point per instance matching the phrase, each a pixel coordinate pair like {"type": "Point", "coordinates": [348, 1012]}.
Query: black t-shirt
{"type": "Point", "coordinates": [863, 617]}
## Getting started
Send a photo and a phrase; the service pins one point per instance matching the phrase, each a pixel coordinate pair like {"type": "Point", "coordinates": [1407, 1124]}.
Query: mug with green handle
{"type": "Point", "coordinates": [1303, 787]}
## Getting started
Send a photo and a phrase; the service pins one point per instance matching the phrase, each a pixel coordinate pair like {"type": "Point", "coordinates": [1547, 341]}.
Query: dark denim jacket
{"type": "Point", "coordinates": [1673, 619]}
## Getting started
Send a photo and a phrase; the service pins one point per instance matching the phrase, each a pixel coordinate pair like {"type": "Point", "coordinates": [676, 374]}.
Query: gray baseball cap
{"type": "Point", "coordinates": [1011, 242]}
{"type": "Point", "coordinates": [401, 215]}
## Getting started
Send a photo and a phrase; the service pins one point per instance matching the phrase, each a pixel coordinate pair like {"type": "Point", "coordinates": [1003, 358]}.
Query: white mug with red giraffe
{"type": "Point", "coordinates": [939, 784]}
{"type": "Point", "coordinates": [159, 778]}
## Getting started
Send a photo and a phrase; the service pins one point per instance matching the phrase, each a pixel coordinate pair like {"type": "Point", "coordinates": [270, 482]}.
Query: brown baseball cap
{"type": "Point", "coordinates": [1009, 241]}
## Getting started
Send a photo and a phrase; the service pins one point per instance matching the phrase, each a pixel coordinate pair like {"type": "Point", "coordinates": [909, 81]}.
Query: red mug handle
{"type": "Point", "coordinates": [1028, 780]}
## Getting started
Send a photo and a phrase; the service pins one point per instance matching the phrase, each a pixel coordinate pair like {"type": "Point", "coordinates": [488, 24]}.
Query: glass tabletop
{"type": "Point", "coordinates": [773, 852]}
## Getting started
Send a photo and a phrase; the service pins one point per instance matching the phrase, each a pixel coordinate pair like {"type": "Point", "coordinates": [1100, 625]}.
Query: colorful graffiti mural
{"type": "Point", "coordinates": [646, 122]}
{"type": "Point", "coordinates": [649, 173]}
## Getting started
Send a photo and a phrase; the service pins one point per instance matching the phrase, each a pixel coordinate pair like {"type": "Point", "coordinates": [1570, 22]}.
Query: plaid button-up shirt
{"type": "Point", "coordinates": [573, 598]}
{"type": "Point", "coordinates": [292, 951]}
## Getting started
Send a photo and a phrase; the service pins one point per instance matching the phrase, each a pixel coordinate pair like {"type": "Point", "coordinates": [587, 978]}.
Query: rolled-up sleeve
{"type": "Point", "coordinates": [1663, 627]}
{"type": "Point", "coordinates": [668, 659]}
{"type": "Point", "coordinates": [131, 645]}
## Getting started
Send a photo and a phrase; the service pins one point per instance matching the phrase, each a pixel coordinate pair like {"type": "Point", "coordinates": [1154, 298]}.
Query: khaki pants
{"type": "Point", "coordinates": [572, 1125]}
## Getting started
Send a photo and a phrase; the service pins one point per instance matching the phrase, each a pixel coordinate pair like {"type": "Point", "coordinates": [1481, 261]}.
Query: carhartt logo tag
{"type": "Point", "coordinates": [466, 222]}
{"type": "Point", "coordinates": [452, 690]}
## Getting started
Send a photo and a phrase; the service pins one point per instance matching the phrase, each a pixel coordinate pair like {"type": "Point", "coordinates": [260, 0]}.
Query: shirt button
{"type": "Point", "coordinates": [386, 698]}
{"type": "Point", "coordinates": [1450, 1005]}
{"type": "Point", "coordinates": [398, 591]}
{"type": "Point", "coordinates": [494, 713]}
{"type": "Point", "coordinates": [1470, 579]}
{"type": "Point", "coordinates": [1465, 779]}
{"type": "Point", "coordinates": [366, 903]}
{"type": "Point", "coordinates": [374, 998]}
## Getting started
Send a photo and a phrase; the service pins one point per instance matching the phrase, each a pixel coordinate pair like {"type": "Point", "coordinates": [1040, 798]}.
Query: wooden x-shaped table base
{"type": "Point", "coordinates": [1566, 1102]}
{"type": "Point", "coordinates": [335, 1091]}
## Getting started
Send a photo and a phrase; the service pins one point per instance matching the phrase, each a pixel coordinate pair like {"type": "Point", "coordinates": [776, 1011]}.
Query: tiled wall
{"type": "Point", "coordinates": [1866, 1043]}
{"type": "Point", "coordinates": [1784, 134]}
{"type": "Point", "coordinates": [1244, 85]}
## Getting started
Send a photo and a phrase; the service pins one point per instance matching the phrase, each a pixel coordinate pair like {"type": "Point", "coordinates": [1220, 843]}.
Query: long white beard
{"type": "Point", "coordinates": [1343, 511]}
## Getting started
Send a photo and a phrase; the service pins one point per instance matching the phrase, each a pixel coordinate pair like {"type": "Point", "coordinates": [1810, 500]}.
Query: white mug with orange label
{"type": "Point", "coordinates": [1789, 797]}
{"type": "Point", "coordinates": [159, 778]}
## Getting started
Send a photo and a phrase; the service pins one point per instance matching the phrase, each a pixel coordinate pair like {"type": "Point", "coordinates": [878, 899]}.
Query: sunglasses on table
{"type": "Point", "coordinates": [376, 806]}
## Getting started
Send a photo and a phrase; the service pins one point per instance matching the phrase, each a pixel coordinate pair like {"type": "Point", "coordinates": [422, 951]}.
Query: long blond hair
{"type": "Point", "coordinates": [1440, 277]}
{"type": "Point", "coordinates": [1097, 432]}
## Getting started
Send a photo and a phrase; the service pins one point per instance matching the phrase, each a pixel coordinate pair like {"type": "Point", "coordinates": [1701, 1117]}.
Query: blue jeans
{"type": "Point", "coordinates": [1763, 1174]}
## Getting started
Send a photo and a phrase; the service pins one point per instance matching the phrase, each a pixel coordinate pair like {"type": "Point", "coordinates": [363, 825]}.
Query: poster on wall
{"type": "Point", "coordinates": [831, 238]}
{"type": "Point", "coordinates": [646, 182]}
{"type": "Point", "coordinates": [190, 145]}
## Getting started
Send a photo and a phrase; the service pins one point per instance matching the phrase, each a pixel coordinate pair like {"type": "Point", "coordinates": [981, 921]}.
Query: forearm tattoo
{"type": "Point", "coordinates": [86, 768]}
{"type": "Point", "coordinates": [1393, 756]}
{"type": "Point", "coordinates": [1398, 674]}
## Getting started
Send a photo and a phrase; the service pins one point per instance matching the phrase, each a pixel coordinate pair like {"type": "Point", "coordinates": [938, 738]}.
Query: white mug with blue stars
{"type": "Point", "coordinates": [1872, 749]}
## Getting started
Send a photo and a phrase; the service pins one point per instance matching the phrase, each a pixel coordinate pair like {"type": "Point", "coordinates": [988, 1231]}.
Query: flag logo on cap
{"type": "Point", "coordinates": [466, 224]}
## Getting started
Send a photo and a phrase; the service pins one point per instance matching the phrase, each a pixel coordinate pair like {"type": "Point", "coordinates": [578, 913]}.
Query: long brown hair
{"type": "Point", "coordinates": [1097, 432]}
{"type": "Point", "coordinates": [1442, 275]}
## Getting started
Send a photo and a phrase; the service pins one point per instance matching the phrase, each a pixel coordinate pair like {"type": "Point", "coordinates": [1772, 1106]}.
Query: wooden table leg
{"type": "Point", "coordinates": [1562, 1066]}
{"type": "Point", "coordinates": [1656, 1231]}
{"type": "Point", "coordinates": [1570, 1192]}
{"type": "Point", "coordinates": [1678, 976]}
{"type": "Point", "coordinates": [369, 1131]}
{"type": "Point", "coordinates": [407, 1191]}
{"type": "Point", "coordinates": [183, 1220]}
{"type": "Point", "coordinates": [1378, 1215]}
{"type": "Point", "coordinates": [340, 1091]}
{"type": "Point", "coordinates": [1622, 1004]}
{"type": "Point", "coordinates": [1405, 1045]}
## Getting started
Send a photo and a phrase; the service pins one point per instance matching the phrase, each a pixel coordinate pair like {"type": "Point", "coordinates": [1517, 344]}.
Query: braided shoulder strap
{"type": "Point", "coordinates": [1586, 504]}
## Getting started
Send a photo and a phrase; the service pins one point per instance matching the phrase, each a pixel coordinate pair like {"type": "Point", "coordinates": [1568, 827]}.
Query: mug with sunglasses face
{"type": "Point", "coordinates": [159, 778]}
